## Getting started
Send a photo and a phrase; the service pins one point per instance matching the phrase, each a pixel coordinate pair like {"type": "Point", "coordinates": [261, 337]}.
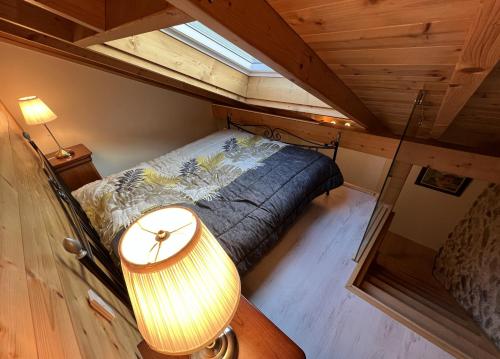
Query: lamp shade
{"type": "Point", "coordinates": [183, 286]}
{"type": "Point", "coordinates": [35, 111]}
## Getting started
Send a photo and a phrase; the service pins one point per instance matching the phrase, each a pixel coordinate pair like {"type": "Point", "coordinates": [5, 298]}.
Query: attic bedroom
{"type": "Point", "coordinates": [250, 179]}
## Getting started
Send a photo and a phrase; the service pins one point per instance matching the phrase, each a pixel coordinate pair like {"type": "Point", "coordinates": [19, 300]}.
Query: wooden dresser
{"type": "Point", "coordinates": [77, 170]}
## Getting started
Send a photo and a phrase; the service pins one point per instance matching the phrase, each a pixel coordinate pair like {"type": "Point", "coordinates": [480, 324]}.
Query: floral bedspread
{"type": "Point", "coordinates": [192, 173]}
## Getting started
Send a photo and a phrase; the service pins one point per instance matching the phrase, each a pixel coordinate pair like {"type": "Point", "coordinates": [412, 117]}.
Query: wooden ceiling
{"type": "Point", "coordinates": [478, 124]}
{"type": "Point", "coordinates": [385, 51]}
{"type": "Point", "coordinates": [366, 58]}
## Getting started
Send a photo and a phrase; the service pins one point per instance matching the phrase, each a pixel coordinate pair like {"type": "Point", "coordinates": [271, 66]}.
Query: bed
{"type": "Point", "coordinates": [246, 188]}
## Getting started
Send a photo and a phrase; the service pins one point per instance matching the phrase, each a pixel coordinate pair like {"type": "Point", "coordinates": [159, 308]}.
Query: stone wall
{"type": "Point", "coordinates": [469, 262]}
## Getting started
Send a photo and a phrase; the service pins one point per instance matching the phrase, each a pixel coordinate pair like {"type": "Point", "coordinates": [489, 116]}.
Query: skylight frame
{"type": "Point", "coordinates": [212, 44]}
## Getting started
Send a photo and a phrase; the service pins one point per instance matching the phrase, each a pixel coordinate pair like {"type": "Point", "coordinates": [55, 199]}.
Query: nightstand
{"type": "Point", "coordinates": [258, 338]}
{"type": "Point", "coordinates": [77, 170]}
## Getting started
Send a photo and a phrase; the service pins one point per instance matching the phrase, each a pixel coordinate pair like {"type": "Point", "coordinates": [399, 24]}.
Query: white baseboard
{"type": "Point", "coordinates": [361, 189]}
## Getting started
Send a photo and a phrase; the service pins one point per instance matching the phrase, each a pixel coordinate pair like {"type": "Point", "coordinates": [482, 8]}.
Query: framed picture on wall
{"type": "Point", "coordinates": [442, 181]}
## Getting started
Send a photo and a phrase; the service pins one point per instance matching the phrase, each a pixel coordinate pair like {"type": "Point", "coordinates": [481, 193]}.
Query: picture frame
{"type": "Point", "coordinates": [442, 181]}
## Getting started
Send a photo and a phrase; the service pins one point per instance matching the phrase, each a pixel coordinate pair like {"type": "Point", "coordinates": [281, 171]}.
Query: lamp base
{"type": "Point", "coordinates": [224, 347]}
{"type": "Point", "coordinates": [62, 153]}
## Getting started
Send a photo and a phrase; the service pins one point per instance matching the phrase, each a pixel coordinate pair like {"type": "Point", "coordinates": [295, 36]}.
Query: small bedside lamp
{"type": "Point", "coordinates": [36, 112]}
{"type": "Point", "coordinates": [183, 287]}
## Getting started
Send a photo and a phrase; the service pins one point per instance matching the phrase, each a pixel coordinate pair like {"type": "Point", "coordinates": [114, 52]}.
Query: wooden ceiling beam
{"type": "Point", "coordinates": [32, 17]}
{"type": "Point", "coordinates": [434, 154]}
{"type": "Point", "coordinates": [353, 139]}
{"type": "Point", "coordinates": [274, 42]}
{"type": "Point", "coordinates": [480, 55]}
{"type": "Point", "coordinates": [125, 19]}
{"type": "Point", "coordinates": [88, 13]}
{"type": "Point", "coordinates": [451, 160]}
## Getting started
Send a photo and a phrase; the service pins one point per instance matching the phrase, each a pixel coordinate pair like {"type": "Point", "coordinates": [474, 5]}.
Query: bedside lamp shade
{"type": "Point", "coordinates": [183, 287]}
{"type": "Point", "coordinates": [35, 111]}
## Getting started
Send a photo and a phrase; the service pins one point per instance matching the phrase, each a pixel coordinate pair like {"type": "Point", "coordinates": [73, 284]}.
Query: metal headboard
{"type": "Point", "coordinates": [87, 246]}
{"type": "Point", "coordinates": [276, 134]}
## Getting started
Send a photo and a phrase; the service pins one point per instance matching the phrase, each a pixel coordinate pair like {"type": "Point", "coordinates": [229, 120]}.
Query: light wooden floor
{"type": "Point", "coordinates": [300, 286]}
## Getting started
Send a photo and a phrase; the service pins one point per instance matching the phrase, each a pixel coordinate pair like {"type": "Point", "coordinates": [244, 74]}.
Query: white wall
{"type": "Point", "coordinates": [122, 121]}
{"type": "Point", "coordinates": [362, 169]}
{"type": "Point", "coordinates": [427, 216]}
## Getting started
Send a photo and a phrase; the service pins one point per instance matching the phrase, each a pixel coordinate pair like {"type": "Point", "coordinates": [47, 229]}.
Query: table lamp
{"type": "Point", "coordinates": [183, 287]}
{"type": "Point", "coordinates": [36, 112]}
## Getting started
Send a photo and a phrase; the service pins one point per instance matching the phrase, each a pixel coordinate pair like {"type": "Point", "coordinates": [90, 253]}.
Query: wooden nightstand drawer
{"type": "Point", "coordinates": [77, 170]}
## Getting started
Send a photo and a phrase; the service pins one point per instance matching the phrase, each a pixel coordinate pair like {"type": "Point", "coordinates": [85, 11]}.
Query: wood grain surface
{"type": "Point", "coordinates": [43, 307]}
{"type": "Point", "coordinates": [257, 336]}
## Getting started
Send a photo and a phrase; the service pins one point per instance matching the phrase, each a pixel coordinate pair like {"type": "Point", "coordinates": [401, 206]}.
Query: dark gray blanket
{"type": "Point", "coordinates": [251, 212]}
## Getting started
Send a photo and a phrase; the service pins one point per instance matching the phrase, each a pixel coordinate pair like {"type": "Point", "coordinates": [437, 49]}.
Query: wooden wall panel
{"type": "Point", "coordinates": [17, 339]}
{"type": "Point", "coordinates": [282, 90]}
{"type": "Point", "coordinates": [166, 51]}
{"type": "Point", "coordinates": [51, 317]}
{"type": "Point", "coordinates": [279, 92]}
{"type": "Point", "coordinates": [43, 307]}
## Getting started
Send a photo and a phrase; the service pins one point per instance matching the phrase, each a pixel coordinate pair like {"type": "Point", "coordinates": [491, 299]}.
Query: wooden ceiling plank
{"type": "Point", "coordinates": [27, 15]}
{"type": "Point", "coordinates": [436, 72]}
{"type": "Point", "coordinates": [434, 55]}
{"type": "Point", "coordinates": [272, 41]}
{"type": "Point", "coordinates": [401, 84]}
{"type": "Point", "coordinates": [142, 21]}
{"type": "Point", "coordinates": [349, 15]}
{"type": "Point", "coordinates": [120, 12]}
{"type": "Point", "coordinates": [481, 54]}
{"type": "Point", "coordinates": [427, 79]}
{"type": "Point", "coordinates": [89, 13]}
{"type": "Point", "coordinates": [422, 34]}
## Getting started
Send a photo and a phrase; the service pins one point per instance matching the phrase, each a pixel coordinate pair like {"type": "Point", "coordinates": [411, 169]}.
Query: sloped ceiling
{"type": "Point", "coordinates": [478, 124]}
{"type": "Point", "coordinates": [385, 51]}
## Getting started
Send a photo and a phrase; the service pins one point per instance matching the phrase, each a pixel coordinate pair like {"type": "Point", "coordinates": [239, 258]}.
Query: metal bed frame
{"type": "Point", "coordinates": [276, 134]}
{"type": "Point", "coordinates": [87, 246]}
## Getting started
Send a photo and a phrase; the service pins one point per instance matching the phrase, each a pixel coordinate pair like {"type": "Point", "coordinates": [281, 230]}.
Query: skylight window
{"type": "Point", "coordinates": [197, 35]}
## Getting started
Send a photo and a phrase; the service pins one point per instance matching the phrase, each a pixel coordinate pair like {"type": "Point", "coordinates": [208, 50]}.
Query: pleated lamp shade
{"type": "Point", "coordinates": [35, 111]}
{"type": "Point", "coordinates": [183, 287]}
